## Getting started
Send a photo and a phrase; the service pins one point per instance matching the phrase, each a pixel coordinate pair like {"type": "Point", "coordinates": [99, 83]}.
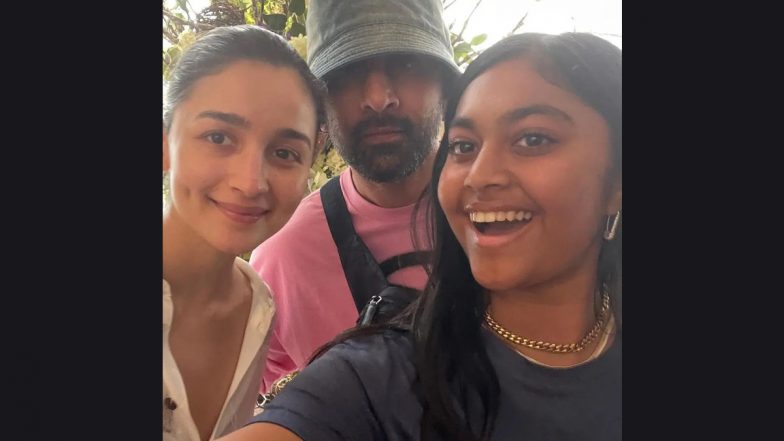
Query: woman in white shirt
{"type": "Point", "coordinates": [240, 124]}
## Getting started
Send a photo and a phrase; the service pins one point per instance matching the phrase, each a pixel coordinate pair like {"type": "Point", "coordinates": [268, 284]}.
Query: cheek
{"type": "Point", "coordinates": [422, 101]}
{"type": "Point", "coordinates": [450, 185]}
{"type": "Point", "coordinates": [191, 171]}
{"type": "Point", "coordinates": [574, 209]}
{"type": "Point", "coordinates": [289, 188]}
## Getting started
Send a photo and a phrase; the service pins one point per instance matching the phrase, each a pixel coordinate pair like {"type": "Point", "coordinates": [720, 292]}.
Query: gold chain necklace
{"type": "Point", "coordinates": [552, 347]}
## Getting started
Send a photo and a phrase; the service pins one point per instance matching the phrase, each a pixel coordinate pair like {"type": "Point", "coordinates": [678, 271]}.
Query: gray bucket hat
{"type": "Point", "coordinates": [344, 31]}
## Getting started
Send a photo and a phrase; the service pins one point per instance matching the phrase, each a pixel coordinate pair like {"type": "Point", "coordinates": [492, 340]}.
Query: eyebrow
{"type": "Point", "coordinates": [517, 114]}
{"type": "Point", "coordinates": [536, 109]}
{"type": "Point", "coordinates": [293, 134]}
{"type": "Point", "coordinates": [229, 118]}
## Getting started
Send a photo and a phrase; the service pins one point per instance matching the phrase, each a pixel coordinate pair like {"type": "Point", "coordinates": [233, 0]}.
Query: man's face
{"type": "Point", "coordinates": [385, 113]}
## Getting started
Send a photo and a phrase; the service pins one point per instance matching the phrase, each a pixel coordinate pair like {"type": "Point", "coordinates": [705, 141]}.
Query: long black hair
{"type": "Point", "coordinates": [460, 389]}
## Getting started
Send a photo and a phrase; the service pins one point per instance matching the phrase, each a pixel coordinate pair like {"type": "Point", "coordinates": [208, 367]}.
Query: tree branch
{"type": "Point", "coordinates": [465, 23]}
{"type": "Point", "coordinates": [197, 26]}
{"type": "Point", "coordinates": [517, 26]}
{"type": "Point", "coordinates": [170, 36]}
{"type": "Point", "coordinates": [450, 4]}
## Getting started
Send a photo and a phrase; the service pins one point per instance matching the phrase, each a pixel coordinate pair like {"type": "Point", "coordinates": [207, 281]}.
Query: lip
{"type": "Point", "coordinates": [486, 207]}
{"type": "Point", "coordinates": [495, 240]}
{"type": "Point", "coordinates": [380, 134]}
{"type": "Point", "coordinates": [241, 213]}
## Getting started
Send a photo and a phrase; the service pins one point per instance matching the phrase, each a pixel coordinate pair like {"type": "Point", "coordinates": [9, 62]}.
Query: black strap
{"type": "Point", "coordinates": [364, 276]}
{"type": "Point", "coordinates": [401, 261]}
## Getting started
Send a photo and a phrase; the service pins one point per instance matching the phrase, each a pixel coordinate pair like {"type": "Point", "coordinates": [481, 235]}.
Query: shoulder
{"type": "Point", "coordinates": [257, 285]}
{"type": "Point", "coordinates": [375, 358]}
{"type": "Point", "coordinates": [307, 221]}
{"type": "Point", "coordinates": [306, 228]}
{"type": "Point", "coordinates": [346, 393]}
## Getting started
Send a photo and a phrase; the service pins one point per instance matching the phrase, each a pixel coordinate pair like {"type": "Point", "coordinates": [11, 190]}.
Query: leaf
{"type": "Point", "coordinates": [174, 53]}
{"type": "Point", "coordinates": [300, 44]}
{"type": "Point", "coordinates": [297, 30]}
{"type": "Point", "coordinates": [463, 47]}
{"type": "Point", "coordinates": [275, 21]}
{"type": "Point", "coordinates": [249, 19]}
{"type": "Point", "coordinates": [186, 39]}
{"type": "Point", "coordinates": [181, 4]}
{"type": "Point", "coordinates": [479, 39]}
{"type": "Point", "coordinates": [297, 6]}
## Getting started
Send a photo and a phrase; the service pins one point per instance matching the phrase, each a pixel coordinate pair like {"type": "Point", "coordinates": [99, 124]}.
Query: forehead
{"type": "Point", "coordinates": [387, 60]}
{"type": "Point", "coordinates": [512, 84]}
{"type": "Point", "coordinates": [255, 90]}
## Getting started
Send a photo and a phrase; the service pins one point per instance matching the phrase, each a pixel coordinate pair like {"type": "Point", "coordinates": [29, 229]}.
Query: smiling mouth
{"type": "Point", "coordinates": [494, 223]}
{"type": "Point", "coordinates": [241, 214]}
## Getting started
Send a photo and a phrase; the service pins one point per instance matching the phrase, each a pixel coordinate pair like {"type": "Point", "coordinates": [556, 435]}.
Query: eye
{"type": "Point", "coordinates": [535, 140]}
{"type": "Point", "coordinates": [461, 147]}
{"type": "Point", "coordinates": [218, 138]}
{"type": "Point", "coordinates": [407, 65]}
{"type": "Point", "coordinates": [411, 64]}
{"type": "Point", "coordinates": [286, 154]}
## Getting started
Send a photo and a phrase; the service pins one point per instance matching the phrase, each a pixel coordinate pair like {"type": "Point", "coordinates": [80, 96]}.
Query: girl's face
{"type": "Point", "coordinates": [527, 184]}
{"type": "Point", "coordinates": [239, 150]}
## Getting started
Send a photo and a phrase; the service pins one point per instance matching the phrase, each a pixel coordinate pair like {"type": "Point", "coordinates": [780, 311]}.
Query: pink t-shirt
{"type": "Point", "coordinates": [302, 269]}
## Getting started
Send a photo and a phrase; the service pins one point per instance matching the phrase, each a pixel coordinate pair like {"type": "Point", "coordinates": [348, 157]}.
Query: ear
{"type": "Point", "coordinates": [166, 160]}
{"type": "Point", "coordinates": [321, 138]}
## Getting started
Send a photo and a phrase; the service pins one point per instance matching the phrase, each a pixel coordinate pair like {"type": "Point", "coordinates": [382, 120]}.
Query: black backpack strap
{"type": "Point", "coordinates": [404, 260]}
{"type": "Point", "coordinates": [363, 274]}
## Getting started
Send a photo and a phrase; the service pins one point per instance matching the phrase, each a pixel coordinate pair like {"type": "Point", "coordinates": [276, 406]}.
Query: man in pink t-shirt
{"type": "Point", "coordinates": [384, 113]}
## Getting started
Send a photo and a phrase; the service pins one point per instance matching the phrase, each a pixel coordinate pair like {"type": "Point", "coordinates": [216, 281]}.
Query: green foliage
{"type": "Point", "coordinates": [328, 163]}
{"type": "Point", "coordinates": [479, 39]}
{"type": "Point", "coordinates": [275, 22]}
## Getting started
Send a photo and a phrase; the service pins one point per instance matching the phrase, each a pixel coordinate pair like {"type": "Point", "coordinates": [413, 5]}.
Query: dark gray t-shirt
{"type": "Point", "coordinates": [365, 389]}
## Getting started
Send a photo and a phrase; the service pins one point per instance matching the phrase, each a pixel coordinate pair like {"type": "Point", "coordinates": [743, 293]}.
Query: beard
{"type": "Point", "coordinates": [389, 161]}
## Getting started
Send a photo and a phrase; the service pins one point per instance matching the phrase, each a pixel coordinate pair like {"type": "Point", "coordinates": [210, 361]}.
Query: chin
{"type": "Point", "coordinates": [493, 281]}
{"type": "Point", "coordinates": [239, 246]}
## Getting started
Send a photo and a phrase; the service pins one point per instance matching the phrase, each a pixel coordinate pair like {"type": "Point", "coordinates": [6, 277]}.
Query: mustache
{"type": "Point", "coordinates": [403, 124]}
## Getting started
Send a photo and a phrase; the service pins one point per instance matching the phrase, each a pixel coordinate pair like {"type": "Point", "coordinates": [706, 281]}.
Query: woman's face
{"type": "Point", "coordinates": [527, 183]}
{"type": "Point", "coordinates": [239, 150]}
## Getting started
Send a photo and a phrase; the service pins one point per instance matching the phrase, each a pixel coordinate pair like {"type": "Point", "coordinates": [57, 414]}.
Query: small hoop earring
{"type": "Point", "coordinates": [609, 231]}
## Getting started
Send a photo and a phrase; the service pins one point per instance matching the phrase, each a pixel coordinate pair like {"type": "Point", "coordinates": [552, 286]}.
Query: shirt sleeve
{"type": "Point", "coordinates": [326, 401]}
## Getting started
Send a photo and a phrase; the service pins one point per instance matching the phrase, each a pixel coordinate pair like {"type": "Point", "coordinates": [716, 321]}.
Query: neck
{"type": "Point", "coordinates": [194, 269]}
{"type": "Point", "coordinates": [559, 311]}
{"type": "Point", "coordinates": [395, 194]}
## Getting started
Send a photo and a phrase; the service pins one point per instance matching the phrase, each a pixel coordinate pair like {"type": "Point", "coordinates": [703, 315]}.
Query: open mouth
{"type": "Point", "coordinates": [496, 223]}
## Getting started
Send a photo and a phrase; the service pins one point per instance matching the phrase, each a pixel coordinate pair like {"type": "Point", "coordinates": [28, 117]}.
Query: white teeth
{"type": "Point", "coordinates": [499, 216]}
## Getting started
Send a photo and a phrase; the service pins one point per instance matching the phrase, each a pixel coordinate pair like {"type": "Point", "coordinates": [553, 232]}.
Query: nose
{"type": "Point", "coordinates": [379, 91]}
{"type": "Point", "coordinates": [488, 170]}
{"type": "Point", "coordinates": [249, 174]}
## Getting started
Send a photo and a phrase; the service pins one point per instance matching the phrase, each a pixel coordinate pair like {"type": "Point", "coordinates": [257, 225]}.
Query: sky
{"type": "Point", "coordinates": [496, 18]}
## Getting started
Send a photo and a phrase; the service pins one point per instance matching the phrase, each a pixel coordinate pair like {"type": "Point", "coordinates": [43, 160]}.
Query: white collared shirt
{"type": "Point", "coordinates": [240, 402]}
